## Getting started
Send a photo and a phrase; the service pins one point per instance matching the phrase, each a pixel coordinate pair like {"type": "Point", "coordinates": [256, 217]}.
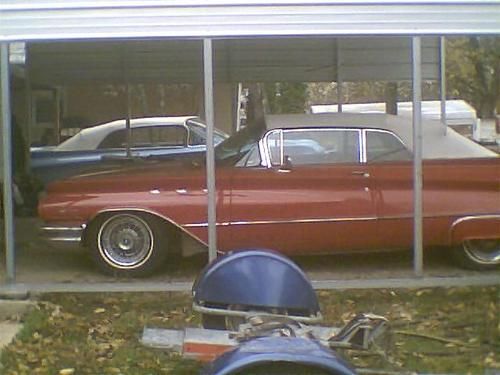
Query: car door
{"type": "Point", "coordinates": [391, 169]}
{"type": "Point", "coordinates": [310, 195]}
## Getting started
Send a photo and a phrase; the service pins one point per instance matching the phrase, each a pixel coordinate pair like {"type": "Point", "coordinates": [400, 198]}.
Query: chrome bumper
{"type": "Point", "coordinates": [62, 233]}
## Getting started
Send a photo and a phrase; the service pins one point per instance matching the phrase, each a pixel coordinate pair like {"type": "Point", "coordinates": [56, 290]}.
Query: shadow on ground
{"type": "Point", "coordinates": [39, 262]}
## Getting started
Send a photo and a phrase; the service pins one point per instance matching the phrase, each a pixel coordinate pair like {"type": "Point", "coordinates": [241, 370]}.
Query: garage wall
{"type": "Point", "coordinates": [236, 60]}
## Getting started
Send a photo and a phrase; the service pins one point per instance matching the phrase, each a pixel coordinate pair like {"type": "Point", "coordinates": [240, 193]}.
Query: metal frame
{"type": "Point", "coordinates": [207, 19]}
{"type": "Point", "coordinates": [417, 157]}
{"type": "Point", "coordinates": [313, 318]}
{"type": "Point", "coordinates": [8, 205]}
{"type": "Point", "coordinates": [442, 80]}
{"type": "Point", "coordinates": [210, 163]}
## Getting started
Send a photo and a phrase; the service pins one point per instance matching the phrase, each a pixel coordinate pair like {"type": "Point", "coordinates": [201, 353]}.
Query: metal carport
{"type": "Point", "coordinates": [213, 20]}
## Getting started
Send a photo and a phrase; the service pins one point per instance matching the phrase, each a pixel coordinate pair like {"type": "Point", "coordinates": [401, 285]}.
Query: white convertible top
{"type": "Point", "coordinates": [90, 138]}
{"type": "Point", "coordinates": [436, 144]}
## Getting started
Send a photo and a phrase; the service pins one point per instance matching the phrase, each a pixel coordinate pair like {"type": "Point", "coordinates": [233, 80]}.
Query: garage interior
{"type": "Point", "coordinates": [293, 42]}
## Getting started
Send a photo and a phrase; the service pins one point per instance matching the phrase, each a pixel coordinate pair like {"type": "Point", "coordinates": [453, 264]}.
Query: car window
{"type": "Point", "coordinates": [198, 134]}
{"type": "Point", "coordinates": [251, 159]}
{"type": "Point", "coordinates": [148, 136]}
{"type": "Point", "coordinates": [196, 138]}
{"type": "Point", "coordinates": [158, 136]}
{"type": "Point", "coordinates": [384, 146]}
{"type": "Point", "coordinates": [234, 148]}
{"type": "Point", "coordinates": [314, 146]}
{"type": "Point", "coordinates": [114, 139]}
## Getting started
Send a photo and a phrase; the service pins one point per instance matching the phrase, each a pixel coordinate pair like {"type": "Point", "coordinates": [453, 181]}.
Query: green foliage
{"type": "Point", "coordinates": [473, 72]}
{"type": "Point", "coordinates": [434, 330]}
{"type": "Point", "coordinates": [286, 97]}
{"type": "Point", "coordinates": [98, 334]}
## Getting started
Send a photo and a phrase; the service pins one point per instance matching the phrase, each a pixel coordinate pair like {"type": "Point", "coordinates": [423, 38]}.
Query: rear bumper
{"type": "Point", "coordinates": [62, 233]}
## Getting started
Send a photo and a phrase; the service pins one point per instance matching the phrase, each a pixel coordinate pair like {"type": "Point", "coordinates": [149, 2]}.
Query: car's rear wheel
{"type": "Point", "coordinates": [127, 243]}
{"type": "Point", "coordinates": [479, 254]}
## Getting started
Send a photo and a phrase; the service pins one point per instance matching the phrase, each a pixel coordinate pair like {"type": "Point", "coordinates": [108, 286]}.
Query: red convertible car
{"type": "Point", "coordinates": [301, 184]}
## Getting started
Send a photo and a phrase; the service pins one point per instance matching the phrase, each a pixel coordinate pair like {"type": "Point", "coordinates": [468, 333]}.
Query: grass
{"type": "Point", "coordinates": [439, 330]}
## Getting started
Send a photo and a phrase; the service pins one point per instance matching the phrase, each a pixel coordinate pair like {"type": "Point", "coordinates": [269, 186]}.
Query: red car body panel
{"type": "Point", "coordinates": [307, 209]}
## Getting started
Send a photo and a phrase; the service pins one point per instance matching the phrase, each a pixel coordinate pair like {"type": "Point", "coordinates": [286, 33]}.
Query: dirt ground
{"type": "Point", "coordinates": [40, 262]}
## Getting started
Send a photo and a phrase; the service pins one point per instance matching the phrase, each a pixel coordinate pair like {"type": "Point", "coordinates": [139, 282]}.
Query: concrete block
{"type": "Point", "coordinates": [10, 308]}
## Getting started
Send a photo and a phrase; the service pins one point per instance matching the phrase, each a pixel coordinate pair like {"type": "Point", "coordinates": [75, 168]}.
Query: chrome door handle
{"type": "Point", "coordinates": [361, 173]}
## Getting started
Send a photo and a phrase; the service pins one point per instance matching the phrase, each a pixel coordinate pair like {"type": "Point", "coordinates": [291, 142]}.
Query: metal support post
{"type": "Point", "coordinates": [442, 81]}
{"type": "Point", "coordinates": [8, 208]}
{"type": "Point", "coordinates": [29, 119]}
{"type": "Point", "coordinates": [210, 164]}
{"type": "Point", "coordinates": [57, 119]}
{"type": "Point", "coordinates": [417, 156]}
{"type": "Point", "coordinates": [127, 121]}
{"type": "Point", "coordinates": [239, 91]}
{"type": "Point", "coordinates": [340, 94]}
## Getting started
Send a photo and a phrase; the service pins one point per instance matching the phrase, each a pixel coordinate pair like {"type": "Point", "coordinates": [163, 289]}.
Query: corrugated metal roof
{"type": "Point", "coordinates": [259, 60]}
{"type": "Point", "coordinates": [85, 19]}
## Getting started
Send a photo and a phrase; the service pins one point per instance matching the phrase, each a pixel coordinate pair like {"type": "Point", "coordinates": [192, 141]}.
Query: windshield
{"type": "Point", "coordinates": [238, 145]}
{"type": "Point", "coordinates": [199, 132]}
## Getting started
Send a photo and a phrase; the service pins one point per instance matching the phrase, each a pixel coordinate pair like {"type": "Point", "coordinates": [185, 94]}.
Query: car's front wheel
{"type": "Point", "coordinates": [479, 254]}
{"type": "Point", "coordinates": [128, 243]}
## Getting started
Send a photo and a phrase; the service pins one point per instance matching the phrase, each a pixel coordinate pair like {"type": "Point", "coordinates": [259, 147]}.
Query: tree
{"type": "Point", "coordinates": [473, 72]}
{"type": "Point", "coordinates": [286, 97]}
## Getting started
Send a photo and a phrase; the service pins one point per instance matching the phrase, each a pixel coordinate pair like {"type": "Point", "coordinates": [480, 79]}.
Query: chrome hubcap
{"type": "Point", "coordinates": [483, 251]}
{"type": "Point", "coordinates": [125, 241]}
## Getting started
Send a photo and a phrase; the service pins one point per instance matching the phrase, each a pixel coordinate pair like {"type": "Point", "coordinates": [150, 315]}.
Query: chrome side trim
{"type": "Point", "coordinates": [264, 157]}
{"type": "Point", "coordinates": [362, 147]}
{"type": "Point", "coordinates": [76, 229]}
{"type": "Point", "coordinates": [265, 147]}
{"type": "Point", "coordinates": [333, 220]}
{"type": "Point", "coordinates": [475, 217]}
{"type": "Point", "coordinates": [267, 222]}
{"type": "Point", "coordinates": [64, 239]}
{"type": "Point", "coordinates": [450, 215]}
{"type": "Point", "coordinates": [267, 155]}
{"type": "Point", "coordinates": [62, 234]}
{"type": "Point", "coordinates": [470, 217]}
{"type": "Point", "coordinates": [281, 131]}
{"type": "Point", "coordinates": [282, 148]}
{"type": "Point", "coordinates": [303, 221]}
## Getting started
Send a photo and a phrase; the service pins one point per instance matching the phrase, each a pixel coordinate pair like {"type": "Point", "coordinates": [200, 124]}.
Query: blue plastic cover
{"type": "Point", "coordinates": [255, 278]}
{"type": "Point", "coordinates": [289, 350]}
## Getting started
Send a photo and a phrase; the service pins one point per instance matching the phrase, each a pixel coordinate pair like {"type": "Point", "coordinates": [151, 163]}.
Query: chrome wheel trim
{"type": "Point", "coordinates": [125, 241]}
{"type": "Point", "coordinates": [484, 251]}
